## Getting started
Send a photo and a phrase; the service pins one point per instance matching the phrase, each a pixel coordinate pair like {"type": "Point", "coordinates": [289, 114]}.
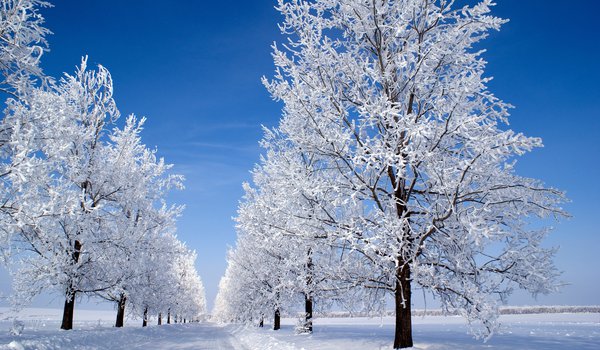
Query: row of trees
{"type": "Point", "coordinates": [82, 202]}
{"type": "Point", "coordinates": [391, 169]}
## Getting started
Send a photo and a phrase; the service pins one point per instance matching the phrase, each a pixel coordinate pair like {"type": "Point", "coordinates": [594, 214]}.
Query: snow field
{"type": "Point", "coordinates": [93, 330]}
{"type": "Point", "coordinates": [539, 332]}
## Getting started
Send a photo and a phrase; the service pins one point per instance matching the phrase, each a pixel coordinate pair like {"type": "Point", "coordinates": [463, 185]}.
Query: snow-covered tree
{"type": "Point", "coordinates": [144, 274]}
{"type": "Point", "coordinates": [391, 95]}
{"type": "Point", "coordinates": [22, 44]}
{"type": "Point", "coordinates": [168, 283]}
{"type": "Point", "coordinates": [278, 216]}
{"type": "Point", "coordinates": [89, 196]}
{"type": "Point", "coordinates": [141, 215]}
{"type": "Point", "coordinates": [60, 196]}
{"type": "Point", "coordinates": [283, 255]}
{"type": "Point", "coordinates": [188, 299]}
{"type": "Point", "coordinates": [251, 288]}
{"type": "Point", "coordinates": [82, 201]}
{"type": "Point", "coordinates": [92, 216]}
{"type": "Point", "coordinates": [223, 310]}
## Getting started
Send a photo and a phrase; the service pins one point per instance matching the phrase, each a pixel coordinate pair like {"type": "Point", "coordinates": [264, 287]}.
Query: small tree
{"type": "Point", "coordinates": [288, 214]}
{"type": "Point", "coordinates": [252, 286]}
{"type": "Point", "coordinates": [391, 95]}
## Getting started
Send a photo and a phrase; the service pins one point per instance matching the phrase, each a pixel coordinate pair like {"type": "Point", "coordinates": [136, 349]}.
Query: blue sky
{"type": "Point", "coordinates": [193, 69]}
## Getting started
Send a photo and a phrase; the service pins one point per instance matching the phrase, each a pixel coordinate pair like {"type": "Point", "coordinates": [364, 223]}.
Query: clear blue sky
{"type": "Point", "coordinates": [194, 67]}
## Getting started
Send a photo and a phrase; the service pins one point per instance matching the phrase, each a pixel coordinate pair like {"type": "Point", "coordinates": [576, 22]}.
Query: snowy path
{"type": "Point", "coordinates": [201, 336]}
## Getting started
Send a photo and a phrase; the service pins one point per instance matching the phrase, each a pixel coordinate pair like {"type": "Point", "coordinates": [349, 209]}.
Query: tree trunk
{"type": "Point", "coordinates": [277, 320]}
{"type": "Point", "coordinates": [261, 324]}
{"type": "Point", "coordinates": [69, 309]}
{"type": "Point", "coordinates": [403, 334]}
{"type": "Point", "coordinates": [169, 316]}
{"type": "Point", "coordinates": [184, 320]}
{"type": "Point", "coordinates": [145, 321]}
{"type": "Point", "coordinates": [121, 311]}
{"type": "Point", "coordinates": [308, 300]}
{"type": "Point", "coordinates": [159, 318]}
{"type": "Point", "coordinates": [308, 311]}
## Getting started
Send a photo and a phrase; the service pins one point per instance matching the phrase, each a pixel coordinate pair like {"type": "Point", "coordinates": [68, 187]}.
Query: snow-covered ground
{"type": "Point", "coordinates": [542, 331]}
{"type": "Point", "coordinates": [93, 330]}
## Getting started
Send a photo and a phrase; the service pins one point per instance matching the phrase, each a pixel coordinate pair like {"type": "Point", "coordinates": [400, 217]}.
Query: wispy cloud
{"type": "Point", "coordinates": [225, 146]}
{"type": "Point", "coordinates": [229, 126]}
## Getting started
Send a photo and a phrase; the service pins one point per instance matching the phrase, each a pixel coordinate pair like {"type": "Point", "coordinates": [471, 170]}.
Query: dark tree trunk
{"type": "Point", "coordinates": [175, 319]}
{"type": "Point", "coordinates": [402, 292]}
{"type": "Point", "coordinates": [145, 321]}
{"type": "Point", "coordinates": [121, 311]}
{"type": "Point", "coordinates": [67, 320]}
{"type": "Point", "coordinates": [69, 309]}
{"type": "Point", "coordinates": [184, 321]}
{"type": "Point", "coordinates": [169, 316]}
{"type": "Point", "coordinates": [277, 321]}
{"type": "Point", "coordinates": [403, 334]}
{"type": "Point", "coordinates": [308, 300]}
{"type": "Point", "coordinates": [308, 311]}
{"type": "Point", "coordinates": [262, 322]}
{"type": "Point", "coordinates": [159, 318]}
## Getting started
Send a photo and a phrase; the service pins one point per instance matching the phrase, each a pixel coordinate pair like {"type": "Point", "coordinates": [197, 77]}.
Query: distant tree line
{"type": "Point", "coordinates": [503, 310]}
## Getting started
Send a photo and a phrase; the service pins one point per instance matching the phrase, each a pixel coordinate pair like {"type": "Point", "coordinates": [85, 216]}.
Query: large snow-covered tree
{"type": "Point", "coordinates": [90, 195]}
{"type": "Point", "coordinates": [66, 199]}
{"type": "Point", "coordinates": [392, 95]}
{"type": "Point", "coordinates": [82, 202]}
